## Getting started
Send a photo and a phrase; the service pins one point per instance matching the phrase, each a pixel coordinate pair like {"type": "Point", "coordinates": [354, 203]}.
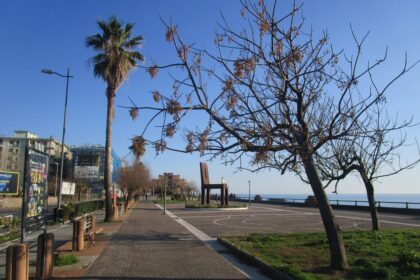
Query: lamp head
{"type": "Point", "coordinates": [47, 71]}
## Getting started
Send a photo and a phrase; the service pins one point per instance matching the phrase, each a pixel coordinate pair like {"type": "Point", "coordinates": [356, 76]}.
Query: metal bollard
{"type": "Point", "coordinates": [44, 259]}
{"type": "Point", "coordinates": [17, 262]}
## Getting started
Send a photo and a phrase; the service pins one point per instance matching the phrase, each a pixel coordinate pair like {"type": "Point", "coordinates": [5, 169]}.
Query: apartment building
{"type": "Point", "coordinates": [12, 153]}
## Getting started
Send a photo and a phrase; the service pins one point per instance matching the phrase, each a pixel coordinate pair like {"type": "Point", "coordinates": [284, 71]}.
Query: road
{"type": "Point", "coordinates": [263, 218]}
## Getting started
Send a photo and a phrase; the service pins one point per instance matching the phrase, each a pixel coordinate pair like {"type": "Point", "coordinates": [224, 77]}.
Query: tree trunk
{"type": "Point", "coordinates": [109, 210]}
{"type": "Point", "coordinates": [335, 240]}
{"type": "Point", "coordinates": [371, 198]}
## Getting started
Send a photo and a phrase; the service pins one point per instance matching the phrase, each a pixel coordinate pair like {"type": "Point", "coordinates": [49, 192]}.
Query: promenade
{"type": "Point", "coordinates": [145, 244]}
{"type": "Point", "coordinates": [151, 245]}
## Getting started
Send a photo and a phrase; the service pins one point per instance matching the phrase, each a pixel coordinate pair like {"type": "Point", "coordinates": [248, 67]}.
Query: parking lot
{"type": "Point", "coordinates": [263, 218]}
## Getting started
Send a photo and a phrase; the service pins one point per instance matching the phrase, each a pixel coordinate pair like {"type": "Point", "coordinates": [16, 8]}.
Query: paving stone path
{"type": "Point", "coordinates": [151, 245]}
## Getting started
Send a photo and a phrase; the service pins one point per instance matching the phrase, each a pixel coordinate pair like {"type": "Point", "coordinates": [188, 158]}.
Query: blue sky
{"type": "Point", "coordinates": [51, 34]}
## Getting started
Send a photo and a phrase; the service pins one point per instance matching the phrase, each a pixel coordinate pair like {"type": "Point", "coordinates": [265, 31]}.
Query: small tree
{"type": "Point", "coordinates": [191, 189]}
{"type": "Point", "coordinates": [273, 96]}
{"type": "Point", "coordinates": [134, 180]}
{"type": "Point", "coordinates": [373, 153]}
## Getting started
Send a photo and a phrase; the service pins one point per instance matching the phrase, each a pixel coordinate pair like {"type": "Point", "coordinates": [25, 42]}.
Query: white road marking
{"type": "Point", "coordinates": [380, 221]}
{"type": "Point", "coordinates": [248, 271]}
{"type": "Point", "coordinates": [352, 217]}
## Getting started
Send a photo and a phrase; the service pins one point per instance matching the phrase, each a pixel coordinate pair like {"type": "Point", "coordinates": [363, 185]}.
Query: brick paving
{"type": "Point", "coordinates": [151, 245]}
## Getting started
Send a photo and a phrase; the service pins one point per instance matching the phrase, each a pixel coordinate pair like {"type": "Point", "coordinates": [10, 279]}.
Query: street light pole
{"type": "Point", "coordinates": [56, 179]}
{"type": "Point", "coordinates": [50, 72]}
{"type": "Point", "coordinates": [164, 197]}
{"type": "Point", "coordinates": [249, 194]}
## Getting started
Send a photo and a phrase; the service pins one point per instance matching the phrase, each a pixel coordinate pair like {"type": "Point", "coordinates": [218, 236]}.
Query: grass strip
{"type": "Point", "coordinates": [388, 254]}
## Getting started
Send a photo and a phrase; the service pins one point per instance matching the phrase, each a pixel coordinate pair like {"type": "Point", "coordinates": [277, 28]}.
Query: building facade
{"type": "Point", "coordinates": [12, 153]}
{"type": "Point", "coordinates": [89, 166]}
{"type": "Point", "coordinates": [174, 183]}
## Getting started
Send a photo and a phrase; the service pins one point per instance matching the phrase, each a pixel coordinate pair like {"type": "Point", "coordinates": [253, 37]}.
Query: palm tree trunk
{"type": "Point", "coordinates": [371, 198]}
{"type": "Point", "coordinates": [109, 210]}
{"type": "Point", "coordinates": [335, 240]}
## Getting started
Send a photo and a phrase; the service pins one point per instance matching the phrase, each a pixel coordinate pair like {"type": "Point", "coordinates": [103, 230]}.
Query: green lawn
{"type": "Point", "coordinates": [389, 254]}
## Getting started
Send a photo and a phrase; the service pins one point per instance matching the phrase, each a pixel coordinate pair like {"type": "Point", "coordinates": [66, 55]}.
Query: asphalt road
{"type": "Point", "coordinates": [263, 218]}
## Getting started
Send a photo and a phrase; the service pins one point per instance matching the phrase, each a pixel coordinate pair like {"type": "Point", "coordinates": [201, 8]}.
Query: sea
{"type": "Point", "coordinates": [384, 200]}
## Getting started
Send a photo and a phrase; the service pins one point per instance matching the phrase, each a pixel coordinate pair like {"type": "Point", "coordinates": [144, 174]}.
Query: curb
{"type": "Point", "coordinates": [264, 267]}
{"type": "Point", "coordinates": [215, 208]}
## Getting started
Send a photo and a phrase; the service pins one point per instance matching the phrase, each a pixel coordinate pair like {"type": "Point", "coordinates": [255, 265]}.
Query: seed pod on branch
{"type": "Point", "coordinates": [153, 71]}
{"type": "Point", "coordinates": [134, 113]}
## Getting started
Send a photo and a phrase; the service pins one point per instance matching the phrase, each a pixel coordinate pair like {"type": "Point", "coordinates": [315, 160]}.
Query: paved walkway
{"type": "Point", "coordinates": [151, 245]}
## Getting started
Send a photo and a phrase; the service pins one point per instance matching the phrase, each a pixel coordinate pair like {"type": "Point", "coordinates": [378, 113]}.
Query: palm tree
{"type": "Point", "coordinates": [114, 60]}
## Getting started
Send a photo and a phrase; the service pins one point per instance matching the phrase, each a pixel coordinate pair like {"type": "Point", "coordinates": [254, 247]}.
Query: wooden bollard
{"type": "Point", "coordinates": [93, 221]}
{"type": "Point", "coordinates": [78, 243]}
{"type": "Point", "coordinates": [44, 259]}
{"type": "Point", "coordinates": [73, 243]}
{"type": "Point", "coordinates": [17, 262]}
{"type": "Point", "coordinates": [116, 213]}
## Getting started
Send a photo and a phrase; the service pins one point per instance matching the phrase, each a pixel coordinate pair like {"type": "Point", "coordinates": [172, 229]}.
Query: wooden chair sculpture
{"type": "Point", "coordinates": [206, 186]}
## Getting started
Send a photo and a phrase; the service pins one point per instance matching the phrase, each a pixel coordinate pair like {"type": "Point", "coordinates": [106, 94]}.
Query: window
{"type": "Point", "coordinates": [11, 142]}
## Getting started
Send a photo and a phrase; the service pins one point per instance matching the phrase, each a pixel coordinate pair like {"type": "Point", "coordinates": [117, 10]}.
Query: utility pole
{"type": "Point", "coordinates": [249, 196]}
{"type": "Point", "coordinates": [164, 196]}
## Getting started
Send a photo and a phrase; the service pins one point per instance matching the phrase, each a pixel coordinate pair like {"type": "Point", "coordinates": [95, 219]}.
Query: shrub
{"type": "Point", "coordinates": [84, 207]}
{"type": "Point", "coordinates": [65, 259]}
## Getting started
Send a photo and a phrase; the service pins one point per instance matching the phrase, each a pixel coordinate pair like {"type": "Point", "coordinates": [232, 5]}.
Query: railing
{"type": "Point", "coordinates": [379, 204]}
{"type": "Point", "coordinates": [343, 202]}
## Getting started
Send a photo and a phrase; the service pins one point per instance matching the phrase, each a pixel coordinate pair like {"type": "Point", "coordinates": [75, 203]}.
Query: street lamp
{"type": "Point", "coordinates": [249, 194]}
{"type": "Point", "coordinates": [56, 178]}
{"type": "Point", "coordinates": [51, 72]}
{"type": "Point", "coordinates": [164, 196]}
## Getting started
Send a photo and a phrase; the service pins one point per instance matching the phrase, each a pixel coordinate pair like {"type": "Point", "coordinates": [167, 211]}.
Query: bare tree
{"type": "Point", "coordinates": [134, 180]}
{"type": "Point", "coordinates": [273, 96]}
{"type": "Point", "coordinates": [191, 189]}
{"type": "Point", "coordinates": [374, 153]}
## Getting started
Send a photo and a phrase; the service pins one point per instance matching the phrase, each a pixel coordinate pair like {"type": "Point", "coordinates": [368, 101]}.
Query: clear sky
{"type": "Point", "coordinates": [51, 34]}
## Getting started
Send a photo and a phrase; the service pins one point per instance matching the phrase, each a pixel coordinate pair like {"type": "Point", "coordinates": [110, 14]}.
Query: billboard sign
{"type": "Point", "coordinates": [68, 188]}
{"type": "Point", "coordinates": [9, 183]}
{"type": "Point", "coordinates": [86, 172]}
{"type": "Point", "coordinates": [36, 191]}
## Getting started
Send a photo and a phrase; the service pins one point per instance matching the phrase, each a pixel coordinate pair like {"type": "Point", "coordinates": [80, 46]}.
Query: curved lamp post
{"type": "Point", "coordinates": [51, 72]}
